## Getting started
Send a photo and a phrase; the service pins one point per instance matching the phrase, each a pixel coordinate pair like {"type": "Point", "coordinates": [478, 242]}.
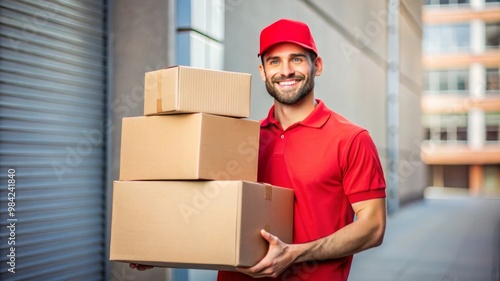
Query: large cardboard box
{"type": "Point", "coordinates": [197, 224]}
{"type": "Point", "coordinates": [189, 146]}
{"type": "Point", "coordinates": [183, 89]}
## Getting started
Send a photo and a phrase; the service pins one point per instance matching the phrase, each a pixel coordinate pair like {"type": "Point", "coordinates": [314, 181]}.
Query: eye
{"type": "Point", "coordinates": [297, 59]}
{"type": "Point", "coordinates": [273, 62]}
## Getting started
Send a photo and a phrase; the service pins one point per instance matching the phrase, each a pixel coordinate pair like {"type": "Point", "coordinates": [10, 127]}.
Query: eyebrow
{"type": "Point", "coordinates": [293, 55]}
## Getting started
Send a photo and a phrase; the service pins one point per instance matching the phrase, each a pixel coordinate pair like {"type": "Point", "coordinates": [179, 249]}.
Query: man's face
{"type": "Point", "coordinates": [288, 72]}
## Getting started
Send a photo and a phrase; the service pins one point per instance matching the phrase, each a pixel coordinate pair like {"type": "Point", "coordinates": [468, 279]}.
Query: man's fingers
{"type": "Point", "coordinates": [140, 267]}
{"type": "Point", "coordinates": [268, 236]}
{"type": "Point", "coordinates": [257, 268]}
{"type": "Point", "coordinates": [254, 270]}
{"type": "Point", "coordinates": [267, 266]}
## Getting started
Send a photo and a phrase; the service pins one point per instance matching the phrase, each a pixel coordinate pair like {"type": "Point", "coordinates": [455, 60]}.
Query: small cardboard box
{"type": "Point", "coordinates": [197, 224]}
{"type": "Point", "coordinates": [189, 147]}
{"type": "Point", "coordinates": [183, 89]}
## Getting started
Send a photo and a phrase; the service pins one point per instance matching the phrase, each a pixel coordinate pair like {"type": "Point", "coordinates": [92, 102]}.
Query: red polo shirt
{"type": "Point", "coordinates": [330, 163]}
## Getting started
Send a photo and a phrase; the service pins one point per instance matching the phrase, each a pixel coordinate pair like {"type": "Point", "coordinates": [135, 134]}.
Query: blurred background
{"type": "Point", "coordinates": [421, 76]}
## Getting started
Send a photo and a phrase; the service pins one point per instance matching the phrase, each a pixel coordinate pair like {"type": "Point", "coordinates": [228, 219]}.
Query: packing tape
{"type": "Point", "coordinates": [269, 191]}
{"type": "Point", "coordinates": [159, 108]}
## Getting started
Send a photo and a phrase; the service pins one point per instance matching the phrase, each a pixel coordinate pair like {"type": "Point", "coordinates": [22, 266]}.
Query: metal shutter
{"type": "Point", "coordinates": [52, 133]}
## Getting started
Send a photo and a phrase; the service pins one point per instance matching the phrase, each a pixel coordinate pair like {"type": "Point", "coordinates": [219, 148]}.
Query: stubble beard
{"type": "Point", "coordinates": [291, 96]}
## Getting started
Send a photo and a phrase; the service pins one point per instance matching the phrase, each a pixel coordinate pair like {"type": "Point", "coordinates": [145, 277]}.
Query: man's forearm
{"type": "Point", "coordinates": [364, 233]}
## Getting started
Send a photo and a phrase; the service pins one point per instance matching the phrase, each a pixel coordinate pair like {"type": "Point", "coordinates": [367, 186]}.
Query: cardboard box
{"type": "Point", "coordinates": [188, 147]}
{"type": "Point", "coordinates": [197, 224]}
{"type": "Point", "coordinates": [184, 89]}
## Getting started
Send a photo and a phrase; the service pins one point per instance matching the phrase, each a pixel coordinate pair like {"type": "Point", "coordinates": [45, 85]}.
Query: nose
{"type": "Point", "coordinates": [287, 69]}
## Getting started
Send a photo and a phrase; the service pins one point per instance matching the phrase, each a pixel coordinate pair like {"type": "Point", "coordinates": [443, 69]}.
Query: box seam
{"type": "Point", "coordinates": [237, 240]}
{"type": "Point", "coordinates": [198, 145]}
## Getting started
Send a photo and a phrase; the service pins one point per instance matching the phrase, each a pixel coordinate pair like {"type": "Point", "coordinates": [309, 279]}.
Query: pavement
{"type": "Point", "coordinates": [443, 237]}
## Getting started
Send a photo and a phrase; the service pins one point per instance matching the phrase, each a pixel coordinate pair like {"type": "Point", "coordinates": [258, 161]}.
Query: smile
{"type": "Point", "coordinates": [288, 83]}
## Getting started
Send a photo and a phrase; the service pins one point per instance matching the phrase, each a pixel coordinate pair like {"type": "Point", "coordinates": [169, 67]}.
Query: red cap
{"type": "Point", "coordinates": [286, 30]}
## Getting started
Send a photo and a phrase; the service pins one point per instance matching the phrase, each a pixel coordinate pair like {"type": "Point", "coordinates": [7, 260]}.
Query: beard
{"type": "Point", "coordinates": [291, 96]}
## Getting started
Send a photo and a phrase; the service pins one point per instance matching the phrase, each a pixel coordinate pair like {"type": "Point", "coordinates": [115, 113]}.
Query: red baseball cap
{"type": "Point", "coordinates": [286, 30]}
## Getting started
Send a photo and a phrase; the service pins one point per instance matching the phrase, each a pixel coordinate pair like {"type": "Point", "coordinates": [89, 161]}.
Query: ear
{"type": "Point", "coordinates": [262, 72]}
{"type": "Point", "coordinates": [318, 64]}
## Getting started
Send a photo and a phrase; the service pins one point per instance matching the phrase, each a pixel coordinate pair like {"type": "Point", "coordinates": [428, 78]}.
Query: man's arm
{"type": "Point", "coordinates": [364, 233]}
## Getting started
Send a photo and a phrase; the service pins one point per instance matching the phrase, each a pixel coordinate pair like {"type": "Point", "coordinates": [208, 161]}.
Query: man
{"type": "Point", "coordinates": [331, 164]}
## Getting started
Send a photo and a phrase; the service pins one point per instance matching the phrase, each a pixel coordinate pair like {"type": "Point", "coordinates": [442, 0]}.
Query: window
{"type": "Point", "coordinates": [445, 128]}
{"type": "Point", "coordinates": [446, 2]}
{"type": "Point", "coordinates": [492, 35]}
{"type": "Point", "coordinates": [492, 122]}
{"type": "Point", "coordinates": [492, 81]}
{"type": "Point", "coordinates": [446, 38]}
{"type": "Point", "coordinates": [447, 81]}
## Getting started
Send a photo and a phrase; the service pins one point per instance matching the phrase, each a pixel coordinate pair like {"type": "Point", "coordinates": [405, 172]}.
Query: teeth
{"type": "Point", "coordinates": [287, 83]}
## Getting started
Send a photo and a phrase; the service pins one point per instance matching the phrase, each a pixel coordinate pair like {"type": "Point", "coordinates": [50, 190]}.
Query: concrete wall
{"type": "Point", "coordinates": [140, 37]}
{"type": "Point", "coordinates": [412, 171]}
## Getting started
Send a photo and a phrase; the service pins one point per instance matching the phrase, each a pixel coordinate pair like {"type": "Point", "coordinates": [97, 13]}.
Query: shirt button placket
{"type": "Point", "coordinates": [280, 145]}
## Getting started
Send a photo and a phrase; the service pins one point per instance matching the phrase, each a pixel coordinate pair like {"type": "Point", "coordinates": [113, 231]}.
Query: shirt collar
{"type": "Point", "coordinates": [315, 119]}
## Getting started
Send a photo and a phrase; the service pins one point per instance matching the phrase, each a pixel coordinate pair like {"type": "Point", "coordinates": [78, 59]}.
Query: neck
{"type": "Point", "coordinates": [288, 115]}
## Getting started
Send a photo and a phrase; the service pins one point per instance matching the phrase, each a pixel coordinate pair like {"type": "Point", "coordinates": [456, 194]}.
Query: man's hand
{"type": "Point", "coordinates": [364, 233]}
{"type": "Point", "coordinates": [278, 258]}
{"type": "Point", "coordinates": [140, 267]}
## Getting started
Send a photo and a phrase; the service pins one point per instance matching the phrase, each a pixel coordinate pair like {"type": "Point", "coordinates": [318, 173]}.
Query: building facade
{"type": "Point", "coordinates": [461, 101]}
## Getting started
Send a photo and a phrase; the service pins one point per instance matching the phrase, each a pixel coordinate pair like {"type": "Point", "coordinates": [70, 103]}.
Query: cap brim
{"type": "Point", "coordinates": [287, 41]}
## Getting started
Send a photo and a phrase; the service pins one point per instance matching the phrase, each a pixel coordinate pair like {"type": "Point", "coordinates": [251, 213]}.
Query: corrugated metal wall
{"type": "Point", "coordinates": [52, 139]}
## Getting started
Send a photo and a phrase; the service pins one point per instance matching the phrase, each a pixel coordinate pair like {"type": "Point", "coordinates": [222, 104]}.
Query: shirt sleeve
{"type": "Point", "coordinates": [363, 177]}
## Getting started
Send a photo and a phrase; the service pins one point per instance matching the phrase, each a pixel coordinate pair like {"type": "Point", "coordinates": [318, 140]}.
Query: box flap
{"type": "Point", "coordinates": [160, 88]}
{"type": "Point", "coordinates": [237, 234]}
{"type": "Point", "coordinates": [260, 211]}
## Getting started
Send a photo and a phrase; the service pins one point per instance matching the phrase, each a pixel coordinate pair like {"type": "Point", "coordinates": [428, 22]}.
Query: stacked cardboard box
{"type": "Point", "coordinates": [187, 194]}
